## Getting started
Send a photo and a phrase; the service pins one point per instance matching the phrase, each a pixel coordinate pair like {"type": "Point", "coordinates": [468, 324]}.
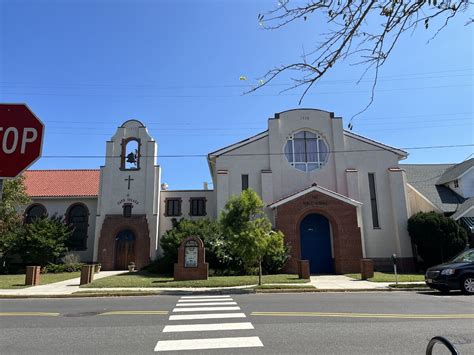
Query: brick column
{"type": "Point", "coordinates": [32, 275]}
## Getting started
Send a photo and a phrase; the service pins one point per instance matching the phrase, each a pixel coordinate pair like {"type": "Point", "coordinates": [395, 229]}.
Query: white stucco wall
{"type": "Point", "coordinates": [59, 206]}
{"type": "Point", "coordinates": [144, 190]}
{"type": "Point", "coordinates": [267, 163]}
{"type": "Point", "coordinates": [185, 196]}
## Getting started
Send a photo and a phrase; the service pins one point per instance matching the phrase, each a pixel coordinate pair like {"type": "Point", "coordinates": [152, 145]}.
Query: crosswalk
{"type": "Point", "coordinates": [195, 320]}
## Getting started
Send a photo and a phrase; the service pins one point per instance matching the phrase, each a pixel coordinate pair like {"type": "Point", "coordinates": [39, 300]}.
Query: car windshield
{"type": "Point", "coordinates": [467, 256]}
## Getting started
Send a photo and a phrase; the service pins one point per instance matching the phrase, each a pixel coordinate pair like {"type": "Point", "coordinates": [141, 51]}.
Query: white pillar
{"type": "Point", "coordinates": [400, 210]}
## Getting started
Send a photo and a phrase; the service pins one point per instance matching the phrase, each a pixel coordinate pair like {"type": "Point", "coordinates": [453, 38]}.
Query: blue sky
{"type": "Point", "coordinates": [84, 67]}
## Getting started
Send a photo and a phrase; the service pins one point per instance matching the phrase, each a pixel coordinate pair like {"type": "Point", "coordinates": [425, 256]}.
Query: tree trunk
{"type": "Point", "coordinates": [260, 273]}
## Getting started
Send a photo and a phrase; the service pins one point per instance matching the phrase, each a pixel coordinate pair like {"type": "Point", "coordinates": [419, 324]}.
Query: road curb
{"type": "Point", "coordinates": [209, 292]}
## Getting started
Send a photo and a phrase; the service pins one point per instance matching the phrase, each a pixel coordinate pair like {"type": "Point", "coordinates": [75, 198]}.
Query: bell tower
{"type": "Point", "coordinates": [128, 199]}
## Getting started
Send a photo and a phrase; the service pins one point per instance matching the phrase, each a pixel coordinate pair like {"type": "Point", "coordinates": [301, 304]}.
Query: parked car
{"type": "Point", "coordinates": [457, 274]}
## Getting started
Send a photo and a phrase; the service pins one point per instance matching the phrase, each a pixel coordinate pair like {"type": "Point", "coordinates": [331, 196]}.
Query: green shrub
{"type": "Point", "coordinates": [249, 233]}
{"type": "Point", "coordinates": [57, 268]}
{"type": "Point", "coordinates": [437, 238]}
{"type": "Point", "coordinates": [217, 254]}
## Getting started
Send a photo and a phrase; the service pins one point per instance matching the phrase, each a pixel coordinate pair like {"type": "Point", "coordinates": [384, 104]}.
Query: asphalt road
{"type": "Point", "coordinates": [316, 323]}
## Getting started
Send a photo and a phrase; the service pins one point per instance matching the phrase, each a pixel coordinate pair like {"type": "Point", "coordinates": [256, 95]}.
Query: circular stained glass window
{"type": "Point", "coordinates": [306, 151]}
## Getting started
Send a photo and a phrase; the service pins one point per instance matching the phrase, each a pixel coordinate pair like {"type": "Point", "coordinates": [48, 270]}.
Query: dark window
{"type": "Point", "coordinates": [78, 218]}
{"type": "Point", "coordinates": [173, 207]}
{"type": "Point", "coordinates": [127, 210]}
{"type": "Point", "coordinates": [373, 201]}
{"type": "Point", "coordinates": [35, 211]}
{"type": "Point", "coordinates": [456, 183]}
{"type": "Point", "coordinates": [245, 182]}
{"type": "Point", "coordinates": [197, 206]}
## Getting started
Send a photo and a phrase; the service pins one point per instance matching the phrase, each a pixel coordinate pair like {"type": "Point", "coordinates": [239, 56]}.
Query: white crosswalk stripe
{"type": "Point", "coordinates": [191, 297]}
{"type": "Point", "coordinates": [207, 316]}
{"type": "Point", "coordinates": [211, 343]}
{"type": "Point", "coordinates": [202, 308]}
{"type": "Point", "coordinates": [205, 300]}
{"type": "Point", "coordinates": [205, 304]}
{"type": "Point", "coordinates": [207, 327]}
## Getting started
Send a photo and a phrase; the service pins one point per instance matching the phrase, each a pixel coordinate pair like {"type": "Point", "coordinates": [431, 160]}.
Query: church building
{"type": "Point", "coordinates": [337, 196]}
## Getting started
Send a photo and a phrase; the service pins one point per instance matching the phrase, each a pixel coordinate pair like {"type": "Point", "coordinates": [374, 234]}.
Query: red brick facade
{"type": "Point", "coordinates": [342, 217]}
{"type": "Point", "coordinates": [112, 225]}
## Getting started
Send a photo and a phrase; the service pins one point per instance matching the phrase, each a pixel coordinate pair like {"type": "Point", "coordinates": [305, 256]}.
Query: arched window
{"type": "Point", "coordinates": [78, 218]}
{"type": "Point", "coordinates": [130, 154]}
{"type": "Point", "coordinates": [306, 151]}
{"type": "Point", "coordinates": [35, 211]}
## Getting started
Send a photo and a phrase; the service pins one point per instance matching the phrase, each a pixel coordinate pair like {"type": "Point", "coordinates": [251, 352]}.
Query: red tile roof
{"type": "Point", "coordinates": [62, 183]}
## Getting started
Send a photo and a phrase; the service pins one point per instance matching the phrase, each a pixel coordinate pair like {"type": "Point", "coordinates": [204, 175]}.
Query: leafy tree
{"type": "Point", "coordinates": [11, 221]}
{"type": "Point", "coordinates": [209, 231]}
{"type": "Point", "coordinates": [248, 231]}
{"type": "Point", "coordinates": [43, 241]}
{"type": "Point", "coordinates": [366, 31]}
{"type": "Point", "coordinates": [437, 238]}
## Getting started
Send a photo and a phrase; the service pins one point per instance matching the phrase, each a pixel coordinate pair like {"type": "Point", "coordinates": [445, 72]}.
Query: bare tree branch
{"type": "Point", "coordinates": [350, 35]}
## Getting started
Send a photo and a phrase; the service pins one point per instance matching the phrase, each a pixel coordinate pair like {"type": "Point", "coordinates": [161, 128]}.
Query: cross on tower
{"type": "Point", "coordinates": [129, 179]}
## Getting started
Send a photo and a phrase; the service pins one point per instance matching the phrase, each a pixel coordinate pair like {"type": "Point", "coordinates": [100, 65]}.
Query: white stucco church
{"type": "Point", "coordinates": [337, 196]}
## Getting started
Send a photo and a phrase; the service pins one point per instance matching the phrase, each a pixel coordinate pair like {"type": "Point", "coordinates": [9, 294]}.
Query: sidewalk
{"type": "Point", "coordinates": [68, 287]}
{"type": "Point", "coordinates": [341, 282]}
{"type": "Point", "coordinates": [65, 287]}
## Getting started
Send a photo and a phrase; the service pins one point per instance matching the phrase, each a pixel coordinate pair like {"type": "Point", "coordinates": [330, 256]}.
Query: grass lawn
{"type": "Point", "coordinates": [390, 277]}
{"type": "Point", "coordinates": [18, 281]}
{"type": "Point", "coordinates": [146, 279]}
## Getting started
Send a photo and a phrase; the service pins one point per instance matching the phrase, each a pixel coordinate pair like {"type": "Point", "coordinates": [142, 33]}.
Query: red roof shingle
{"type": "Point", "coordinates": [62, 183]}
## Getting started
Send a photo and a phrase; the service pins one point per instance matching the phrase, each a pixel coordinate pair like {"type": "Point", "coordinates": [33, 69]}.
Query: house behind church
{"type": "Point", "coordinates": [337, 196]}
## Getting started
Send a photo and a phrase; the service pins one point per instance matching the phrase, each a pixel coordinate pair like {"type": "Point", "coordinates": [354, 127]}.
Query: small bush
{"type": "Point", "coordinates": [437, 238]}
{"type": "Point", "coordinates": [57, 268]}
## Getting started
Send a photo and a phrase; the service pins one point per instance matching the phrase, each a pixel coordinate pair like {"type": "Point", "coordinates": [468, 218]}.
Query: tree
{"type": "Point", "coordinates": [437, 238]}
{"type": "Point", "coordinates": [367, 30]}
{"type": "Point", "coordinates": [248, 231]}
{"type": "Point", "coordinates": [43, 241]}
{"type": "Point", "coordinates": [11, 221]}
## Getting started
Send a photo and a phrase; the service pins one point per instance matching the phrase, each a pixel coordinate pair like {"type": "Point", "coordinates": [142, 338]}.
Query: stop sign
{"type": "Point", "coordinates": [21, 138]}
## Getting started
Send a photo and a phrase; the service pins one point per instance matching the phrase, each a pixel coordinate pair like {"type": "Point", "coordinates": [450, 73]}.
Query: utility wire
{"type": "Point", "coordinates": [232, 96]}
{"type": "Point", "coordinates": [258, 154]}
{"type": "Point", "coordinates": [208, 86]}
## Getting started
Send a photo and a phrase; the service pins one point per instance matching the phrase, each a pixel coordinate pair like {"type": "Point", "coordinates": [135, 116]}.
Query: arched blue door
{"type": "Point", "coordinates": [316, 243]}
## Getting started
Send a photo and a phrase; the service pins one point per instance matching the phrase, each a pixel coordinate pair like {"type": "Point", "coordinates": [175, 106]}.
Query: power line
{"type": "Point", "coordinates": [233, 96]}
{"type": "Point", "coordinates": [164, 124]}
{"type": "Point", "coordinates": [210, 86]}
{"type": "Point", "coordinates": [201, 128]}
{"type": "Point", "coordinates": [256, 154]}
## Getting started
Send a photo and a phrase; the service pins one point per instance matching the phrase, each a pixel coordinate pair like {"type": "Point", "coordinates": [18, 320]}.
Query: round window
{"type": "Point", "coordinates": [306, 151]}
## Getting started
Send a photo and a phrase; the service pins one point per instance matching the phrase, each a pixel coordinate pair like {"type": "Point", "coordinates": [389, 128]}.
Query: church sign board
{"type": "Point", "coordinates": [191, 263]}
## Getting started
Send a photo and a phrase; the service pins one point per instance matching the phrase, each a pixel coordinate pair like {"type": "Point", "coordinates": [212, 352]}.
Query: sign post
{"type": "Point", "coordinates": [21, 140]}
{"type": "Point", "coordinates": [394, 260]}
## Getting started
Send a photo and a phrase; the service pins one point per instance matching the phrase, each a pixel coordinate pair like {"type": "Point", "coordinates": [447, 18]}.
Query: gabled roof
{"type": "Point", "coordinates": [463, 209]}
{"type": "Point", "coordinates": [317, 188]}
{"type": "Point", "coordinates": [62, 183]}
{"type": "Point", "coordinates": [239, 144]}
{"type": "Point", "coordinates": [401, 153]}
{"type": "Point", "coordinates": [455, 171]}
{"type": "Point", "coordinates": [423, 177]}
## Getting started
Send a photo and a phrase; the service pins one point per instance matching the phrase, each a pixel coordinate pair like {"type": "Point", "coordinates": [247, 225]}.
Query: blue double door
{"type": "Point", "coordinates": [315, 237]}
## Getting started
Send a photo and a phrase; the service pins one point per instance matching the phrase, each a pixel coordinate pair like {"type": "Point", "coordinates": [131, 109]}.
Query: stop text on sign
{"type": "Point", "coordinates": [21, 138]}
{"type": "Point", "coordinates": [13, 138]}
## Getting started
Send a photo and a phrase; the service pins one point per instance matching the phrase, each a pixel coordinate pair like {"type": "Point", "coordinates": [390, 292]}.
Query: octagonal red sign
{"type": "Point", "coordinates": [21, 139]}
